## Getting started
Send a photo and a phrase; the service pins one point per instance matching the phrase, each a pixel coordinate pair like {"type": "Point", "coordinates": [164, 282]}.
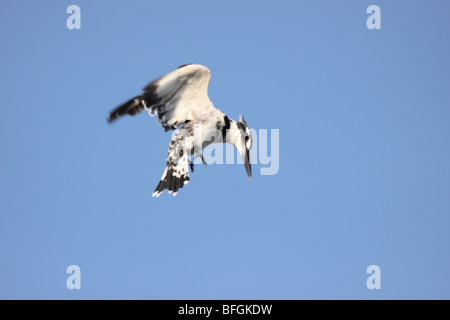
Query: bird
{"type": "Point", "coordinates": [180, 101]}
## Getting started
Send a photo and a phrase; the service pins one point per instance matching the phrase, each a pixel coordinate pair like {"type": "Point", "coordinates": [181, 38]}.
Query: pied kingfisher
{"type": "Point", "coordinates": [180, 99]}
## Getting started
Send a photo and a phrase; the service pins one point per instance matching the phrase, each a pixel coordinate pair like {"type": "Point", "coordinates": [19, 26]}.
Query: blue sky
{"type": "Point", "coordinates": [364, 173]}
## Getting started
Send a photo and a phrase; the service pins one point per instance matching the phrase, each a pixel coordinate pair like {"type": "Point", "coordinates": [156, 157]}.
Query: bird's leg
{"type": "Point", "coordinates": [201, 157]}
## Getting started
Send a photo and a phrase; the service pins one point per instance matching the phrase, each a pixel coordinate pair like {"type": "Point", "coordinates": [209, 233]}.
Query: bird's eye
{"type": "Point", "coordinates": [246, 138]}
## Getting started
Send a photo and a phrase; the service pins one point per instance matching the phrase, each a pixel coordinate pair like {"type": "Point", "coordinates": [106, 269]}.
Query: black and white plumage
{"type": "Point", "coordinates": [180, 100]}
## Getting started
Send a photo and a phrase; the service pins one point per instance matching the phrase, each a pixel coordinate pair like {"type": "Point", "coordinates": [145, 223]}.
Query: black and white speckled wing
{"type": "Point", "coordinates": [177, 97]}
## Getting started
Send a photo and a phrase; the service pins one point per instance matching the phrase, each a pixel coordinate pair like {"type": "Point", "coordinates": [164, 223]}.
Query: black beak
{"type": "Point", "coordinates": [248, 166]}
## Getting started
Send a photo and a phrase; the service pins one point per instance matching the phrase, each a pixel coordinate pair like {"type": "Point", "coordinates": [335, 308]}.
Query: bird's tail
{"type": "Point", "coordinates": [176, 174]}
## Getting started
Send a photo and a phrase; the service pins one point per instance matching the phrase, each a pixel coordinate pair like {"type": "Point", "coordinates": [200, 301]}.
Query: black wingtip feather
{"type": "Point", "coordinates": [131, 107]}
{"type": "Point", "coordinates": [184, 65]}
{"type": "Point", "coordinates": [111, 119]}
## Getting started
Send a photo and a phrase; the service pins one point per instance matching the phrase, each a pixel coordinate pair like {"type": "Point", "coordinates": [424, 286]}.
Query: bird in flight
{"type": "Point", "coordinates": [180, 100]}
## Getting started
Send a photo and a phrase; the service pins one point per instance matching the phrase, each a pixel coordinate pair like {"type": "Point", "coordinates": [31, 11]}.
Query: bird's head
{"type": "Point", "coordinates": [241, 138]}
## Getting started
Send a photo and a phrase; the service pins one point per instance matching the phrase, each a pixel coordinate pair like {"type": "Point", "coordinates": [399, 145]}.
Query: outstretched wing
{"type": "Point", "coordinates": [177, 97]}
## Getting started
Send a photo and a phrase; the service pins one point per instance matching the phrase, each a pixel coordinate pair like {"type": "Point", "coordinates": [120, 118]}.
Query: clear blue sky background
{"type": "Point", "coordinates": [364, 172]}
